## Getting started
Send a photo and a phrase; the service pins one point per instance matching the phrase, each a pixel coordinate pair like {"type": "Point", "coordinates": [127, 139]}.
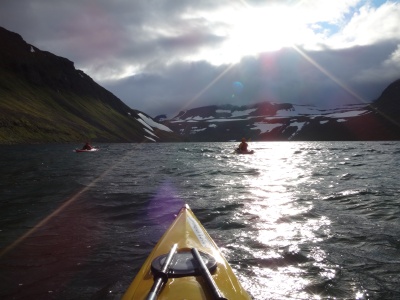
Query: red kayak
{"type": "Point", "coordinates": [91, 150]}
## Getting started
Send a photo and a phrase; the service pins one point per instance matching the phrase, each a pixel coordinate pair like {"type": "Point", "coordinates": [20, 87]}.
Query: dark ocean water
{"type": "Point", "coordinates": [296, 220]}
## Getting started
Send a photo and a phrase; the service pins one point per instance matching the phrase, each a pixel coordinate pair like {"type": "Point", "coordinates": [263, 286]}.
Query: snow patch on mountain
{"type": "Point", "coordinates": [149, 138]}
{"type": "Point", "coordinates": [196, 130]}
{"type": "Point", "coordinates": [150, 132]}
{"type": "Point", "coordinates": [265, 127]}
{"type": "Point", "coordinates": [240, 113]}
{"type": "Point", "coordinates": [312, 111]}
{"type": "Point", "coordinates": [150, 123]}
{"type": "Point", "coordinates": [224, 120]}
{"type": "Point", "coordinates": [144, 123]}
{"type": "Point", "coordinates": [347, 114]}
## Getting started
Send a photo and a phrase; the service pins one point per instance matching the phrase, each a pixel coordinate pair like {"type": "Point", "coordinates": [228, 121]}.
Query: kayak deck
{"type": "Point", "coordinates": [194, 246]}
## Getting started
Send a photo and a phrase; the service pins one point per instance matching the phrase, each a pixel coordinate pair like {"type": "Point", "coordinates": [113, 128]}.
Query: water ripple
{"type": "Point", "coordinates": [298, 220]}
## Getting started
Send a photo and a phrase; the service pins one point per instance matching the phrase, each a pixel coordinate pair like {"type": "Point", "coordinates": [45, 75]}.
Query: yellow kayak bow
{"type": "Point", "coordinates": [185, 264]}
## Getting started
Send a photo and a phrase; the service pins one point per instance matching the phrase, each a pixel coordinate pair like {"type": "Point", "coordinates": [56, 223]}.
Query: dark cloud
{"type": "Point", "coordinates": [160, 42]}
{"type": "Point", "coordinates": [98, 30]}
{"type": "Point", "coordinates": [325, 78]}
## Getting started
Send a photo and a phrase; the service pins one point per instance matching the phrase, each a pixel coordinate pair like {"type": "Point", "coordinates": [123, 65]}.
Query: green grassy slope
{"type": "Point", "coordinates": [43, 98]}
{"type": "Point", "coordinates": [33, 114]}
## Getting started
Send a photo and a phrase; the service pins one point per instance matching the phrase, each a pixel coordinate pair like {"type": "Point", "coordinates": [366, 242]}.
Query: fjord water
{"type": "Point", "coordinates": [296, 220]}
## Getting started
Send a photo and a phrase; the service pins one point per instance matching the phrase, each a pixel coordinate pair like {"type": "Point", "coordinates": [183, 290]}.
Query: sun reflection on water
{"type": "Point", "coordinates": [285, 229]}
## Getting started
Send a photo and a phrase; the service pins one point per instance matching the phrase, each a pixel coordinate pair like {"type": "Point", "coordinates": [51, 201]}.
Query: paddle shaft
{"type": "Point", "coordinates": [162, 277]}
{"type": "Point", "coordinates": [217, 295]}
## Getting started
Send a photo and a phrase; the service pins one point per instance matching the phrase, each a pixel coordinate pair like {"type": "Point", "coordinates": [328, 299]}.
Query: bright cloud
{"type": "Point", "coordinates": [370, 25]}
{"type": "Point", "coordinates": [164, 56]}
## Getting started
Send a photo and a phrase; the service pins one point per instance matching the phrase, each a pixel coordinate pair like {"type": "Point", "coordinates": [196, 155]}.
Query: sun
{"type": "Point", "coordinates": [257, 30]}
{"type": "Point", "coordinates": [250, 30]}
{"type": "Point", "coordinates": [253, 30]}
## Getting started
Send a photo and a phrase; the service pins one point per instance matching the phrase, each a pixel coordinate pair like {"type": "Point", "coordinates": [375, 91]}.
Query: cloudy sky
{"type": "Point", "coordinates": [161, 57]}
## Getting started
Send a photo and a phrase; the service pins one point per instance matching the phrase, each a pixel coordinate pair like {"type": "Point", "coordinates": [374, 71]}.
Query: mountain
{"type": "Point", "coordinates": [43, 98]}
{"type": "Point", "coordinates": [388, 104]}
{"type": "Point", "coordinates": [282, 122]}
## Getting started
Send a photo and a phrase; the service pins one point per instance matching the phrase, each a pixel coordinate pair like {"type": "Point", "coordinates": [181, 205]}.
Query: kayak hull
{"type": "Point", "coordinates": [82, 150]}
{"type": "Point", "coordinates": [244, 152]}
{"type": "Point", "coordinates": [187, 232]}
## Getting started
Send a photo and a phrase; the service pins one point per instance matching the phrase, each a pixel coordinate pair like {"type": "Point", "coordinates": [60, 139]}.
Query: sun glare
{"type": "Point", "coordinates": [257, 30]}
{"type": "Point", "coordinates": [249, 31]}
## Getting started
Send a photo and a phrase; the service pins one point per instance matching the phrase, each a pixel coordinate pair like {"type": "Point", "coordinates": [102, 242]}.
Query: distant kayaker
{"type": "Point", "coordinates": [243, 145]}
{"type": "Point", "coordinates": [87, 146]}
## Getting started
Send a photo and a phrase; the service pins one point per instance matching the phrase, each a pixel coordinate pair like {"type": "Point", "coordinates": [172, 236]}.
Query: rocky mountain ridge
{"type": "Point", "coordinates": [281, 122]}
{"type": "Point", "coordinates": [43, 98]}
